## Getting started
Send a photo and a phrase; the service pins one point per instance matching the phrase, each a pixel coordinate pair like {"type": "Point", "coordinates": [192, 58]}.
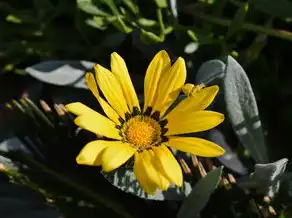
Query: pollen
{"type": "Point", "coordinates": [142, 132]}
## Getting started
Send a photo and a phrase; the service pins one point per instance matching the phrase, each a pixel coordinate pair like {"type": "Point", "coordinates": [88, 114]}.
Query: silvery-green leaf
{"type": "Point", "coordinates": [200, 195]}
{"type": "Point", "coordinates": [209, 71]}
{"type": "Point", "coordinates": [61, 73]}
{"type": "Point", "coordinates": [12, 144]}
{"type": "Point", "coordinates": [230, 159]}
{"type": "Point", "coordinates": [125, 179]}
{"type": "Point", "coordinates": [266, 177]}
{"type": "Point", "coordinates": [243, 111]}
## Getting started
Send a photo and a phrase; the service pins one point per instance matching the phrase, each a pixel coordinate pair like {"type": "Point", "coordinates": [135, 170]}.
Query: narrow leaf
{"type": "Point", "coordinates": [243, 111]}
{"type": "Point", "coordinates": [200, 195]}
{"type": "Point", "coordinates": [161, 3]}
{"type": "Point", "coordinates": [237, 20]}
{"type": "Point", "coordinates": [279, 8]}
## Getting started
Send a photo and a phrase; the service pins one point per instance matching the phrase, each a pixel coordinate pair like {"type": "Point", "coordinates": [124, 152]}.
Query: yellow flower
{"type": "Point", "coordinates": [146, 134]}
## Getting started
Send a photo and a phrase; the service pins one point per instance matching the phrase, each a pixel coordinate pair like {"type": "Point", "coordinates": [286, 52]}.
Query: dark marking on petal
{"type": "Point", "coordinates": [148, 111]}
{"type": "Point", "coordinates": [163, 123]}
{"type": "Point", "coordinates": [163, 131]}
{"type": "Point", "coordinates": [128, 116]}
{"type": "Point", "coordinates": [136, 111]}
{"type": "Point", "coordinates": [156, 115]}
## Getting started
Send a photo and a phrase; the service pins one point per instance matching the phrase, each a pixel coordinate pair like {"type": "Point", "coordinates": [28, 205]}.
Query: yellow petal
{"type": "Point", "coordinates": [96, 123]}
{"type": "Point", "coordinates": [197, 146]}
{"type": "Point", "coordinates": [168, 164]}
{"type": "Point", "coordinates": [139, 169]}
{"type": "Point", "coordinates": [159, 65]}
{"type": "Point", "coordinates": [152, 172]}
{"type": "Point", "coordinates": [199, 101]}
{"type": "Point", "coordinates": [119, 69]}
{"type": "Point", "coordinates": [90, 153]}
{"type": "Point", "coordinates": [170, 86]}
{"type": "Point", "coordinates": [78, 108]}
{"type": "Point", "coordinates": [111, 89]}
{"type": "Point", "coordinates": [116, 155]}
{"type": "Point", "coordinates": [108, 110]}
{"type": "Point", "coordinates": [197, 121]}
{"type": "Point", "coordinates": [91, 84]}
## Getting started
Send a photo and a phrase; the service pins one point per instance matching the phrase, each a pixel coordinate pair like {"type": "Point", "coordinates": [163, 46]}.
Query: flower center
{"type": "Point", "coordinates": [142, 131]}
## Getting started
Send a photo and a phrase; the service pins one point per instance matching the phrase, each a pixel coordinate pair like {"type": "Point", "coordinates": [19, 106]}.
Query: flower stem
{"type": "Point", "coordinates": [283, 34]}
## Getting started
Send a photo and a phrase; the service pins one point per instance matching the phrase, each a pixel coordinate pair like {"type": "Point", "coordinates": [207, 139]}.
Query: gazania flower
{"type": "Point", "coordinates": [146, 133]}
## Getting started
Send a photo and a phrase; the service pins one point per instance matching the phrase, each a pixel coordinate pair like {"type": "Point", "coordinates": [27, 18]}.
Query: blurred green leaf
{"type": "Point", "coordinates": [243, 111]}
{"type": "Point", "coordinates": [88, 7]}
{"type": "Point", "coordinates": [13, 19]}
{"type": "Point", "coordinates": [112, 6]}
{"type": "Point", "coordinates": [200, 195]}
{"type": "Point", "coordinates": [133, 7]}
{"type": "Point", "coordinates": [96, 22]}
{"type": "Point", "coordinates": [161, 3]}
{"type": "Point", "coordinates": [121, 25]}
{"type": "Point", "coordinates": [146, 22]}
{"type": "Point", "coordinates": [237, 20]}
{"type": "Point", "coordinates": [279, 8]}
{"type": "Point", "coordinates": [150, 38]}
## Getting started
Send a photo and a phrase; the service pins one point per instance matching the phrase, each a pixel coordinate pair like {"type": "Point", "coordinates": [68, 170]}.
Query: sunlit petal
{"type": "Point", "coordinates": [119, 69]}
{"type": "Point", "coordinates": [116, 155]}
{"type": "Point", "coordinates": [169, 86]}
{"type": "Point", "coordinates": [168, 164]}
{"type": "Point", "coordinates": [111, 89]}
{"type": "Point", "coordinates": [108, 110]}
{"type": "Point", "coordinates": [96, 123]}
{"type": "Point", "coordinates": [196, 102]}
{"type": "Point", "coordinates": [90, 153]}
{"type": "Point", "coordinates": [160, 64]}
{"type": "Point", "coordinates": [198, 121]}
{"type": "Point", "coordinates": [197, 146]}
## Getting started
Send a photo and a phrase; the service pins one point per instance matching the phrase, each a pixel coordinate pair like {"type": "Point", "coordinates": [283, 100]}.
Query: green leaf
{"type": "Point", "coordinates": [112, 6]}
{"type": "Point", "coordinates": [146, 22]}
{"type": "Point", "coordinates": [161, 3]}
{"type": "Point", "coordinates": [243, 111]}
{"type": "Point", "coordinates": [96, 22]}
{"type": "Point", "coordinates": [279, 8]}
{"type": "Point", "coordinates": [13, 19]}
{"type": "Point", "coordinates": [133, 7]}
{"type": "Point", "coordinates": [121, 25]}
{"type": "Point", "coordinates": [150, 38]}
{"type": "Point", "coordinates": [237, 20]}
{"type": "Point", "coordinates": [125, 179]}
{"type": "Point", "coordinates": [88, 7]}
{"type": "Point", "coordinates": [200, 195]}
